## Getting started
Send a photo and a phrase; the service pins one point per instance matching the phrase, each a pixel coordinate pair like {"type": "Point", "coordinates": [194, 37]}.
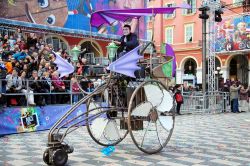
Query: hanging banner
{"type": "Point", "coordinates": [233, 34]}
{"type": "Point", "coordinates": [18, 120]}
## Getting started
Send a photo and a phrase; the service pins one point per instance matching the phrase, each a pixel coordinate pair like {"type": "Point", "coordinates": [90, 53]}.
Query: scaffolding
{"type": "Point", "coordinates": [213, 5]}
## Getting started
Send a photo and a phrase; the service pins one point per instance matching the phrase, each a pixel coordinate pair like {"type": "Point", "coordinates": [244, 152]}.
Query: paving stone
{"type": "Point", "coordinates": [198, 140]}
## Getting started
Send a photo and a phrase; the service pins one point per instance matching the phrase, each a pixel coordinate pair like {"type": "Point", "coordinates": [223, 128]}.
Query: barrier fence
{"type": "Point", "coordinates": [197, 102]}
{"type": "Point", "coordinates": [194, 102]}
{"type": "Point", "coordinates": [27, 91]}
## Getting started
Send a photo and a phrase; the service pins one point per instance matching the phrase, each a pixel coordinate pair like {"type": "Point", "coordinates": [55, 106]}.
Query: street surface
{"type": "Point", "coordinates": [208, 139]}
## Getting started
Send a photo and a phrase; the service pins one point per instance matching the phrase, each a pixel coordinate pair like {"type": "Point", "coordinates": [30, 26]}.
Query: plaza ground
{"type": "Point", "coordinates": [208, 139]}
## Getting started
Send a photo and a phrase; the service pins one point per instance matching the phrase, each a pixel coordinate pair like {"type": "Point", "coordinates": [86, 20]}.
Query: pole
{"type": "Point", "coordinates": [204, 39]}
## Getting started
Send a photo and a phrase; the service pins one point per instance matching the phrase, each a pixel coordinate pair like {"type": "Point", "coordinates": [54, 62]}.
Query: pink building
{"type": "Point", "coordinates": [183, 30]}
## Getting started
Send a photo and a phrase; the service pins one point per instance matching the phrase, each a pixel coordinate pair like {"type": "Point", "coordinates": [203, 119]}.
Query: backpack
{"type": "Point", "coordinates": [178, 98]}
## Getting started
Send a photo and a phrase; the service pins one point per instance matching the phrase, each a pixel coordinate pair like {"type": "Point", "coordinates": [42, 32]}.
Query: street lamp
{"type": "Point", "coordinates": [75, 53]}
{"type": "Point", "coordinates": [112, 50]}
{"type": "Point", "coordinates": [218, 73]}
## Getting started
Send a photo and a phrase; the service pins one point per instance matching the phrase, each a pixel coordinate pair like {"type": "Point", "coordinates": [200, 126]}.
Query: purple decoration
{"type": "Point", "coordinates": [170, 53]}
{"type": "Point", "coordinates": [127, 64]}
{"type": "Point", "coordinates": [109, 16]}
{"type": "Point", "coordinates": [64, 67]}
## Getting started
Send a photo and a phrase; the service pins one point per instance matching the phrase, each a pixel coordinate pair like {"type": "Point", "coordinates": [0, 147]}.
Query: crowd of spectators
{"type": "Point", "coordinates": [27, 68]}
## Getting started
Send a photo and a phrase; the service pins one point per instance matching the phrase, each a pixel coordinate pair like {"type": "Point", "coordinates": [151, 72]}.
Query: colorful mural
{"type": "Point", "coordinates": [18, 120]}
{"type": "Point", "coordinates": [233, 34]}
{"type": "Point", "coordinates": [74, 14]}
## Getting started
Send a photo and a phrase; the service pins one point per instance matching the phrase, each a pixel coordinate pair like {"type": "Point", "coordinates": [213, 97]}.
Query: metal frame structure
{"type": "Point", "coordinates": [211, 34]}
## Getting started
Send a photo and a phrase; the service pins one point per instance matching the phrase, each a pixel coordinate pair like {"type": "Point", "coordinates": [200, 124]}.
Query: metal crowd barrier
{"type": "Point", "coordinates": [196, 102]}
{"type": "Point", "coordinates": [89, 85]}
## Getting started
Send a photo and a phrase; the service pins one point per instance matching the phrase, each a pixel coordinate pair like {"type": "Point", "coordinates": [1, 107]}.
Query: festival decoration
{"type": "Point", "coordinates": [127, 64]}
{"type": "Point", "coordinates": [110, 16]}
{"type": "Point", "coordinates": [169, 68]}
{"type": "Point", "coordinates": [64, 67]}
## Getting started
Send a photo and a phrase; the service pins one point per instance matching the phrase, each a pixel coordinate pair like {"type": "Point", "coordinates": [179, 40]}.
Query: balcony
{"type": "Point", "coordinates": [187, 46]}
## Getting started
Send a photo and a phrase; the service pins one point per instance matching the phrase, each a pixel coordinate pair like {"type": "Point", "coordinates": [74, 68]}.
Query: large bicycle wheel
{"type": "Point", "coordinates": [104, 129]}
{"type": "Point", "coordinates": [151, 107]}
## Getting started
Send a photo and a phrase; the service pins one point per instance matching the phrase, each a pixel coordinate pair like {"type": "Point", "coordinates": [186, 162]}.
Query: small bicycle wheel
{"type": "Point", "coordinates": [151, 116]}
{"type": "Point", "coordinates": [104, 129]}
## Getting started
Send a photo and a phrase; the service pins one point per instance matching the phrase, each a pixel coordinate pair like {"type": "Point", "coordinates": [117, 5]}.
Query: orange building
{"type": "Point", "coordinates": [183, 30]}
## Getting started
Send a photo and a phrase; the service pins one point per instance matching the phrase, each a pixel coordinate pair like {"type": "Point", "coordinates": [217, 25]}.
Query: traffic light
{"type": "Point", "coordinates": [217, 16]}
{"type": "Point", "coordinates": [204, 14]}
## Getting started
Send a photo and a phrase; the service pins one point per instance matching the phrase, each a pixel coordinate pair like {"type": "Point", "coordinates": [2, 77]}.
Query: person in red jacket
{"type": "Point", "coordinates": [179, 99]}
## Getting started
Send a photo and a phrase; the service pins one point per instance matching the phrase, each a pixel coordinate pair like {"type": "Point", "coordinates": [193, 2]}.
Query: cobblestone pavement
{"type": "Point", "coordinates": [219, 139]}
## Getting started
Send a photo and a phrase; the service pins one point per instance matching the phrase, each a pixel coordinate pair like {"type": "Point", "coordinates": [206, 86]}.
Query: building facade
{"type": "Point", "coordinates": [183, 30]}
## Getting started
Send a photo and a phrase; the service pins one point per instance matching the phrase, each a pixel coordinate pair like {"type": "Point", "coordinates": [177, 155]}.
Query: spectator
{"type": "Point", "coordinates": [14, 85]}
{"type": "Point", "coordinates": [18, 34]}
{"type": "Point", "coordinates": [179, 99]}
{"type": "Point", "coordinates": [26, 90]}
{"type": "Point", "coordinates": [59, 87]}
{"type": "Point", "coordinates": [79, 68]}
{"type": "Point", "coordinates": [2, 85]}
{"type": "Point", "coordinates": [31, 41]}
{"type": "Point", "coordinates": [75, 90]}
{"type": "Point", "coordinates": [35, 85]}
{"type": "Point", "coordinates": [234, 95]}
{"type": "Point", "coordinates": [47, 88]}
{"type": "Point", "coordinates": [12, 43]}
{"type": "Point", "coordinates": [20, 55]}
{"type": "Point", "coordinates": [40, 70]}
{"type": "Point", "coordinates": [243, 102]}
{"type": "Point", "coordinates": [14, 82]}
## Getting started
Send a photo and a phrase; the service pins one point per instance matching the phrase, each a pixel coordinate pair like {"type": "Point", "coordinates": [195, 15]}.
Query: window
{"type": "Point", "coordinates": [189, 33]}
{"type": "Point", "coordinates": [149, 34]}
{"type": "Point", "coordinates": [169, 35]}
{"type": "Point", "coordinates": [168, 16]}
{"type": "Point", "coordinates": [192, 3]}
{"type": "Point", "coordinates": [148, 18]}
{"type": "Point", "coordinates": [237, 2]}
{"type": "Point", "coordinates": [57, 43]}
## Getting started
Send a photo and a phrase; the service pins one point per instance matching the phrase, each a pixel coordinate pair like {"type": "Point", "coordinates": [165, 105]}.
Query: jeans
{"type": "Point", "coordinates": [235, 105]}
{"type": "Point", "coordinates": [3, 89]}
{"type": "Point", "coordinates": [178, 108]}
{"type": "Point", "coordinates": [75, 98]}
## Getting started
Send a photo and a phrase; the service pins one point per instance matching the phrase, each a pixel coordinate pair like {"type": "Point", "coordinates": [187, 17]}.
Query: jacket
{"type": "Point", "coordinates": [10, 82]}
{"type": "Point", "coordinates": [130, 44]}
{"type": "Point", "coordinates": [234, 94]}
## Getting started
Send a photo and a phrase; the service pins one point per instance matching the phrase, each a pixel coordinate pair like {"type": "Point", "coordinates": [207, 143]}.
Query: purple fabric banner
{"type": "Point", "coordinates": [170, 53]}
{"type": "Point", "coordinates": [109, 16]}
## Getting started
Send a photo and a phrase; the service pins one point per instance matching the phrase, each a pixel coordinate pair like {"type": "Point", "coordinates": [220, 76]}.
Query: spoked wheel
{"type": "Point", "coordinates": [151, 107]}
{"type": "Point", "coordinates": [105, 129]}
